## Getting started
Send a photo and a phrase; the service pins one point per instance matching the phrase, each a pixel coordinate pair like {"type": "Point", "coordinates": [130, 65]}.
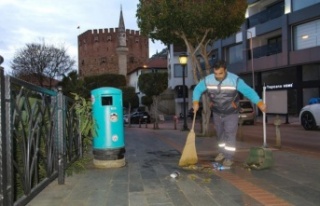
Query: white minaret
{"type": "Point", "coordinates": [122, 49]}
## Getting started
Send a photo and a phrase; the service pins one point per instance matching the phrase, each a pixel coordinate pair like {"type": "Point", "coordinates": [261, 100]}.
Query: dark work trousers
{"type": "Point", "coordinates": [226, 129]}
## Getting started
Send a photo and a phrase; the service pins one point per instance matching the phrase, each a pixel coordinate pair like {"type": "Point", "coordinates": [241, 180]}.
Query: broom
{"type": "Point", "coordinates": [189, 153]}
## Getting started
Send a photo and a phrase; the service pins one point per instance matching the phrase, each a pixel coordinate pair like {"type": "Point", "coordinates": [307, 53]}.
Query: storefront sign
{"type": "Point", "coordinates": [280, 86]}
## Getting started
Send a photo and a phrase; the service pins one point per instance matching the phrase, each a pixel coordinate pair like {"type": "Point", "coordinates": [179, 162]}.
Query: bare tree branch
{"type": "Point", "coordinates": [39, 62]}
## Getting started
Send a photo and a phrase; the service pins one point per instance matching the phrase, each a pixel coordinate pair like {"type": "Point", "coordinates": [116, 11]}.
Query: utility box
{"type": "Point", "coordinates": [108, 143]}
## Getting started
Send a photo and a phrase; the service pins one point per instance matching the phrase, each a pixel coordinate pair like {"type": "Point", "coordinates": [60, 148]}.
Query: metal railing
{"type": "Point", "coordinates": [266, 50]}
{"type": "Point", "coordinates": [268, 14]}
{"type": "Point", "coordinates": [39, 139]}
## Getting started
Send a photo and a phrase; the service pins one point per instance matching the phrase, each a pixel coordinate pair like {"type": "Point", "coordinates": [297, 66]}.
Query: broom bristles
{"type": "Point", "coordinates": [189, 153]}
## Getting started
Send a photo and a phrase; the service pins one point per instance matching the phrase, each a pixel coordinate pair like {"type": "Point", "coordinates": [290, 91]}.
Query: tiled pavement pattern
{"type": "Point", "coordinates": [152, 155]}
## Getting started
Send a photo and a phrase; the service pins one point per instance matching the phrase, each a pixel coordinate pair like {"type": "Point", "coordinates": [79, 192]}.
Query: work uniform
{"type": "Point", "coordinates": [225, 100]}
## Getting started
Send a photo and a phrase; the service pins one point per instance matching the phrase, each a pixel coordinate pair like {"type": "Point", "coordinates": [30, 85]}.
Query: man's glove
{"type": "Point", "coordinates": [195, 106]}
{"type": "Point", "coordinates": [262, 106]}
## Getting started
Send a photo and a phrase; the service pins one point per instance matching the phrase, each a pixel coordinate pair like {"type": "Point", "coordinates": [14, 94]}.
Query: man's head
{"type": "Point", "coordinates": [220, 70]}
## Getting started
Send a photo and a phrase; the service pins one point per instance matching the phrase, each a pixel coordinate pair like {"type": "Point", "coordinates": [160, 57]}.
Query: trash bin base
{"type": "Point", "coordinates": [109, 154]}
{"type": "Point", "coordinates": [109, 163]}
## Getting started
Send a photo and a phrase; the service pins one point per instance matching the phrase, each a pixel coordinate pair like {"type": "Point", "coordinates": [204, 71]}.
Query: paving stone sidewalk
{"type": "Point", "coordinates": [152, 155]}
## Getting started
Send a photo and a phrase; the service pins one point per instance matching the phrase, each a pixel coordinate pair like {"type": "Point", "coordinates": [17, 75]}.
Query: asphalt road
{"type": "Point", "coordinates": [293, 137]}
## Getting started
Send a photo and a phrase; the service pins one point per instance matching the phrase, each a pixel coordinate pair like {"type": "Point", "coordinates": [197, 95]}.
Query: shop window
{"type": "Point", "coordinates": [279, 77]}
{"type": "Point", "coordinates": [309, 93]}
{"type": "Point", "coordinates": [311, 72]}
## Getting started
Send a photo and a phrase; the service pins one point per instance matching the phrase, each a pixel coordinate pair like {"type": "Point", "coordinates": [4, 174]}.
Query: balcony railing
{"type": "Point", "coordinates": [266, 50]}
{"type": "Point", "coordinates": [266, 15]}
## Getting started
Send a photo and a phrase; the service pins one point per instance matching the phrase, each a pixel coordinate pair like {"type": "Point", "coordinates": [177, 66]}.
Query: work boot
{"type": "Point", "coordinates": [219, 157]}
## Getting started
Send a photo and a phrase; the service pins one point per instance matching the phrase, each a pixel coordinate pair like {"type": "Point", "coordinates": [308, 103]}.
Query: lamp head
{"type": "Point", "coordinates": [183, 59]}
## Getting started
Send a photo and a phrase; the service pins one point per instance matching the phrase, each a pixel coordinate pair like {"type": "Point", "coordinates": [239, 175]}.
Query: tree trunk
{"type": "Point", "coordinates": [206, 111]}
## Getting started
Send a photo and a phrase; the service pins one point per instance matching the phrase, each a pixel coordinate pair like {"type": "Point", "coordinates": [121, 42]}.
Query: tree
{"type": "Point", "coordinates": [104, 80]}
{"type": "Point", "coordinates": [147, 101]}
{"type": "Point", "coordinates": [195, 23]}
{"type": "Point", "coordinates": [41, 62]}
{"type": "Point", "coordinates": [71, 83]}
{"type": "Point", "coordinates": [130, 99]}
{"type": "Point", "coordinates": [153, 84]}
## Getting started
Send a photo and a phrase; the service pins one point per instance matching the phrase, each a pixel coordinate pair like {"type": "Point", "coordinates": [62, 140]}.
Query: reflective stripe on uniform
{"type": "Point", "coordinates": [222, 145]}
{"type": "Point", "coordinates": [212, 87]}
{"type": "Point", "coordinates": [230, 148]}
{"type": "Point", "coordinates": [222, 87]}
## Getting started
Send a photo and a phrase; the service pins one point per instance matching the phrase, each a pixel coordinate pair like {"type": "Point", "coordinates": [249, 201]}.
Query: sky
{"type": "Point", "coordinates": [59, 22]}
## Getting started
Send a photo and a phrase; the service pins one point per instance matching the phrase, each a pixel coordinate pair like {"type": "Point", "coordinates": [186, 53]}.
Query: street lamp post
{"type": "Point", "coordinates": [183, 60]}
{"type": "Point", "coordinates": [252, 70]}
{"type": "Point", "coordinates": [251, 54]}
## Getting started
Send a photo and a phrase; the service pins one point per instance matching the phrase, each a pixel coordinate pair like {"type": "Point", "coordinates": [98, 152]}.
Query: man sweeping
{"type": "Point", "coordinates": [223, 87]}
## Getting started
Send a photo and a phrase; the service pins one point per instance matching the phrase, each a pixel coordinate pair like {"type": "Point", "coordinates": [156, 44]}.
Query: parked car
{"type": "Point", "coordinates": [135, 117]}
{"type": "Point", "coordinates": [246, 112]}
{"type": "Point", "coordinates": [309, 116]}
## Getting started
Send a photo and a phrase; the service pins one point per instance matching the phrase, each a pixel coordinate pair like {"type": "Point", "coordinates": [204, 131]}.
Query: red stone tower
{"type": "Point", "coordinates": [116, 51]}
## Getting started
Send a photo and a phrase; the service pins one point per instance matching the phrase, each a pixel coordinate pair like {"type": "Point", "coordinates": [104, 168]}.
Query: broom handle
{"type": "Point", "coordinates": [264, 120]}
{"type": "Point", "coordinates": [194, 119]}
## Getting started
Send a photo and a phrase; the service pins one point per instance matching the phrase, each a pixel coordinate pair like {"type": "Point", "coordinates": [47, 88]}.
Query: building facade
{"type": "Point", "coordinates": [114, 50]}
{"type": "Point", "coordinates": [277, 46]}
{"type": "Point", "coordinates": [156, 64]}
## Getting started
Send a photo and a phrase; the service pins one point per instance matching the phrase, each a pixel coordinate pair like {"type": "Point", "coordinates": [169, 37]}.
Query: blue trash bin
{"type": "Point", "coordinates": [107, 111]}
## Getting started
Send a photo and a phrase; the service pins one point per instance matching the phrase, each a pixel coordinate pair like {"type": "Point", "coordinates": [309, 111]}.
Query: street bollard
{"type": "Point", "coordinates": [139, 122]}
{"type": "Point", "coordinates": [175, 121]}
{"type": "Point", "coordinates": [146, 121]}
{"type": "Point", "coordinates": [277, 123]}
